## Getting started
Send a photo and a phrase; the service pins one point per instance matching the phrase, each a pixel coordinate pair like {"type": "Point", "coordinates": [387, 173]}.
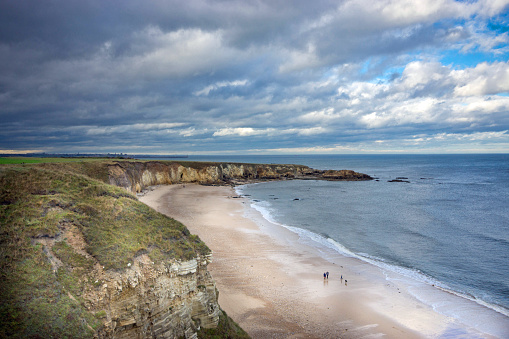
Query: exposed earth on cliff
{"type": "Point", "coordinates": [82, 257]}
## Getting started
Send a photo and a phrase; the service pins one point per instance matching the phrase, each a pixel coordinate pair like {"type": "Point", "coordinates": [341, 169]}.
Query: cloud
{"type": "Point", "coordinates": [12, 151]}
{"type": "Point", "coordinates": [135, 128]}
{"type": "Point", "coordinates": [248, 131]}
{"type": "Point", "coordinates": [482, 105]}
{"type": "Point", "coordinates": [217, 85]}
{"type": "Point", "coordinates": [483, 79]}
{"type": "Point", "coordinates": [408, 12]}
{"type": "Point", "coordinates": [240, 131]}
{"type": "Point", "coordinates": [300, 59]}
{"type": "Point", "coordinates": [419, 75]}
{"type": "Point", "coordinates": [323, 115]}
{"type": "Point", "coordinates": [176, 53]}
{"type": "Point", "coordinates": [502, 135]}
{"type": "Point", "coordinates": [481, 39]}
{"type": "Point", "coordinates": [427, 93]}
{"type": "Point", "coordinates": [415, 111]}
{"type": "Point", "coordinates": [443, 138]}
{"type": "Point", "coordinates": [208, 76]}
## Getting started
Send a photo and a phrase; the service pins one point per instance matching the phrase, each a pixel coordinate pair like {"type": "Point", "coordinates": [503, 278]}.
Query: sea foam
{"type": "Point", "coordinates": [437, 294]}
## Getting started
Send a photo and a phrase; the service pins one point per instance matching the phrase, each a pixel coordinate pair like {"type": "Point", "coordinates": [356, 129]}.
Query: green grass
{"type": "Point", "coordinates": [226, 328]}
{"type": "Point", "coordinates": [39, 201]}
{"type": "Point", "coordinates": [33, 160]}
{"type": "Point", "coordinates": [71, 258]}
{"type": "Point", "coordinates": [115, 224]}
{"type": "Point", "coordinates": [34, 302]}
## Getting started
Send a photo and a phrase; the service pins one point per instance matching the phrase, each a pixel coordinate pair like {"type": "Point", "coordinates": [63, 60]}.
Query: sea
{"type": "Point", "coordinates": [445, 223]}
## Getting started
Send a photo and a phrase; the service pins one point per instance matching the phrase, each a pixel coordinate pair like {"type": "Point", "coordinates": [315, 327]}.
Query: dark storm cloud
{"type": "Point", "coordinates": [206, 76]}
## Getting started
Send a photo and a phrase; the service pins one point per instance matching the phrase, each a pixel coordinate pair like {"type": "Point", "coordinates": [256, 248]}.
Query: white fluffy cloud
{"type": "Point", "coordinates": [483, 79]}
{"type": "Point", "coordinates": [407, 12]}
{"type": "Point", "coordinates": [482, 105]}
{"type": "Point", "coordinates": [427, 93]}
{"type": "Point", "coordinates": [414, 111]}
{"type": "Point", "coordinates": [417, 75]}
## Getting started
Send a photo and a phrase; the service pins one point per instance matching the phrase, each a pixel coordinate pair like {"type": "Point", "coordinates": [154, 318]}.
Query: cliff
{"type": "Point", "coordinates": [136, 176]}
{"type": "Point", "coordinates": [81, 258]}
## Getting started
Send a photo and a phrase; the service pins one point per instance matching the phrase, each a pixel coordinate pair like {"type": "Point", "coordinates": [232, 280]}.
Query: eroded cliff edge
{"type": "Point", "coordinates": [136, 176]}
{"type": "Point", "coordinates": [80, 256]}
{"type": "Point", "coordinates": [82, 259]}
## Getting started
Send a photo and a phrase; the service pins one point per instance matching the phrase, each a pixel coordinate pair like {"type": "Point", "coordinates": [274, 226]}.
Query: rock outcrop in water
{"type": "Point", "coordinates": [136, 176]}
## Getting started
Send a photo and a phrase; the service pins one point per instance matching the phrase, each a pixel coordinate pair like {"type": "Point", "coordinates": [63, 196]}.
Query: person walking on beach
{"type": "Point", "coordinates": [324, 275]}
{"type": "Point", "coordinates": [327, 275]}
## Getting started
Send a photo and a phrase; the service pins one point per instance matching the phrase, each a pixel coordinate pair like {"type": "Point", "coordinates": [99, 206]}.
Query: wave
{"type": "Point", "coordinates": [413, 274]}
{"type": "Point", "coordinates": [323, 240]}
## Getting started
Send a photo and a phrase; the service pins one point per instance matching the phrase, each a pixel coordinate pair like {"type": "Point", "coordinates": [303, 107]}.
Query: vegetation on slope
{"type": "Point", "coordinates": [226, 328]}
{"type": "Point", "coordinates": [33, 160]}
{"type": "Point", "coordinates": [36, 203]}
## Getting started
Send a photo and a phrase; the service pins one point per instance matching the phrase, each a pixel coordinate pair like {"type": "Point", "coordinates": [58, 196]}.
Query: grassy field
{"type": "Point", "coordinates": [38, 202]}
{"type": "Point", "coordinates": [30, 160]}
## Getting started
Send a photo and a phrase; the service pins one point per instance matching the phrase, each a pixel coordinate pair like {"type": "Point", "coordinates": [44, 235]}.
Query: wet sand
{"type": "Point", "coordinates": [273, 286]}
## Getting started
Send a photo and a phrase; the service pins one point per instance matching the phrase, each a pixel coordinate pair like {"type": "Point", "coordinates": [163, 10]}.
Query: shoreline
{"type": "Point", "coordinates": [272, 284]}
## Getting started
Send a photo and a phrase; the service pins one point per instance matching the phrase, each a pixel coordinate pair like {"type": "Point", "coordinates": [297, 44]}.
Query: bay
{"type": "Point", "coordinates": [448, 225]}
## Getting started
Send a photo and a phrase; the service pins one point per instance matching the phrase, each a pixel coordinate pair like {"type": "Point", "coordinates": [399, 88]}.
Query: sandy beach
{"type": "Point", "coordinates": [272, 284]}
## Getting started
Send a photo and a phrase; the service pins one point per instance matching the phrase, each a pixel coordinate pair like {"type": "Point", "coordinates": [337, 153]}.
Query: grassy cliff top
{"type": "Point", "coordinates": [37, 203]}
{"type": "Point", "coordinates": [36, 200]}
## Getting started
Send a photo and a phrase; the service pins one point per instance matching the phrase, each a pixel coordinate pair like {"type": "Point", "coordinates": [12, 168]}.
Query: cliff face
{"type": "Point", "coordinates": [167, 300]}
{"type": "Point", "coordinates": [83, 259]}
{"type": "Point", "coordinates": [136, 176]}
{"type": "Point", "coordinates": [147, 299]}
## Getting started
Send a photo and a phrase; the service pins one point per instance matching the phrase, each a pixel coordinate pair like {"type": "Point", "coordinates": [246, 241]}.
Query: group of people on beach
{"type": "Point", "coordinates": [326, 277]}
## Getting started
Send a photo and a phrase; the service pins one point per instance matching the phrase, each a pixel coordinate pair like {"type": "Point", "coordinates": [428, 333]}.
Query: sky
{"type": "Point", "coordinates": [254, 77]}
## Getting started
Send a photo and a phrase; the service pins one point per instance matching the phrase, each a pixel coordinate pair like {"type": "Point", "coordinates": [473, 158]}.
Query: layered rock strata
{"type": "Point", "coordinates": [83, 259]}
{"type": "Point", "coordinates": [146, 300]}
{"type": "Point", "coordinates": [136, 176]}
{"type": "Point", "coordinates": [164, 301]}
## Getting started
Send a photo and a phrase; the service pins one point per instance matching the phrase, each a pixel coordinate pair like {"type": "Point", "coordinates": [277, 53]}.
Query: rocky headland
{"type": "Point", "coordinates": [82, 257]}
{"type": "Point", "coordinates": [137, 176]}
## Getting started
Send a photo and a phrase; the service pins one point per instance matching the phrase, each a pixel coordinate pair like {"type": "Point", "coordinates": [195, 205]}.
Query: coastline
{"type": "Point", "coordinates": [272, 284]}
